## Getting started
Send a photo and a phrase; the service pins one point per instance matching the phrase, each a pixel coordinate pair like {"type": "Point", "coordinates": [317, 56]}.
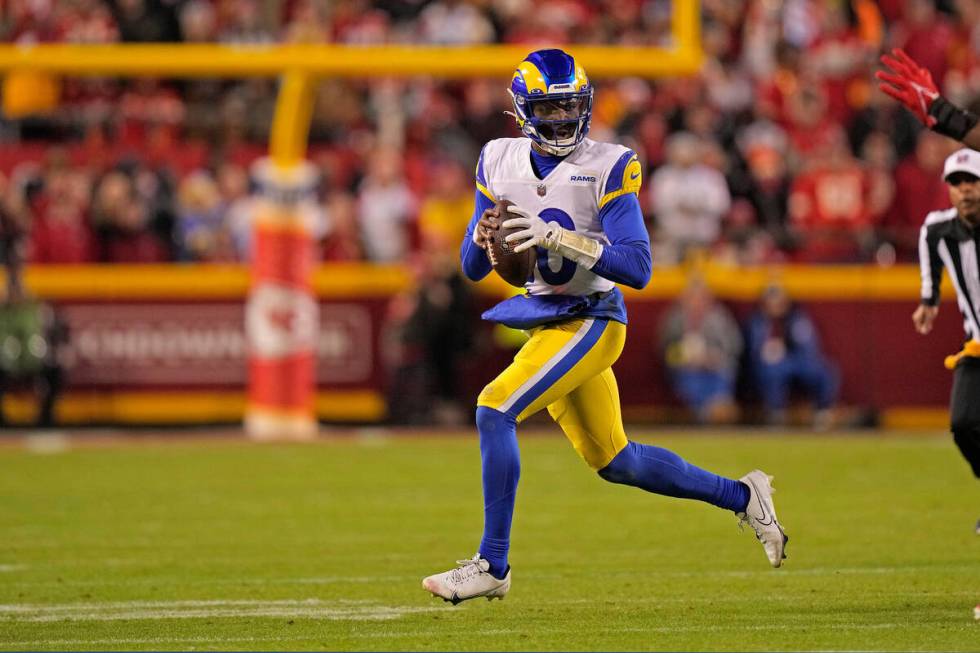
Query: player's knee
{"type": "Point", "coordinates": [491, 420]}
{"type": "Point", "coordinates": [623, 468]}
{"type": "Point", "coordinates": [494, 394]}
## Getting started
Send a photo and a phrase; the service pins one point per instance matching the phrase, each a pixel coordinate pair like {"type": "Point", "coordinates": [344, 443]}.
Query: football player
{"type": "Point", "coordinates": [575, 201]}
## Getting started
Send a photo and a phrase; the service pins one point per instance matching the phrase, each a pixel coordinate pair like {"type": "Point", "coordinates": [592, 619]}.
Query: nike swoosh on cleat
{"type": "Point", "coordinates": [762, 508]}
{"type": "Point", "coordinates": [456, 600]}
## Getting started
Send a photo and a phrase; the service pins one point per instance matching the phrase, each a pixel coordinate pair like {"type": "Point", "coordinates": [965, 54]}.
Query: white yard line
{"type": "Point", "coordinates": [380, 614]}
{"type": "Point", "coordinates": [813, 571]}
{"type": "Point", "coordinates": [331, 580]}
{"type": "Point", "coordinates": [137, 640]}
{"type": "Point", "coordinates": [738, 597]}
{"type": "Point", "coordinates": [215, 609]}
{"type": "Point", "coordinates": [111, 605]}
{"type": "Point", "coordinates": [156, 580]}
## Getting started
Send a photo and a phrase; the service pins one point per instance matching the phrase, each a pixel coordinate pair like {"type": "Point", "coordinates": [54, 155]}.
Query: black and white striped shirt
{"type": "Point", "coordinates": [945, 240]}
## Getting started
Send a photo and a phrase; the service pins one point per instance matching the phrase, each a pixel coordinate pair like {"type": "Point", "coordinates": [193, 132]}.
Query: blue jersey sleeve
{"type": "Point", "coordinates": [474, 260]}
{"type": "Point", "coordinates": [627, 259]}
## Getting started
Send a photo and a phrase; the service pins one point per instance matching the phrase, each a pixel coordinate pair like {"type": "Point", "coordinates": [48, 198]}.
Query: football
{"type": "Point", "coordinates": [514, 268]}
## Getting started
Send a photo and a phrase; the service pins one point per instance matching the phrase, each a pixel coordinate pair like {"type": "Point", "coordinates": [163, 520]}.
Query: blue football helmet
{"type": "Point", "coordinates": [552, 100]}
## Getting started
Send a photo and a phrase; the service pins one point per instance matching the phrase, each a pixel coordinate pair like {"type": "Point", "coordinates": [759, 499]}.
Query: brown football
{"type": "Point", "coordinates": [513, 268]}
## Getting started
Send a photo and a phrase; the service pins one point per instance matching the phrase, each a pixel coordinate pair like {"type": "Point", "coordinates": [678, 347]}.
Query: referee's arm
{"type": "Point", "coordinates": [930, 267]}
{"type": "Point", "coordinates": [931, 270]}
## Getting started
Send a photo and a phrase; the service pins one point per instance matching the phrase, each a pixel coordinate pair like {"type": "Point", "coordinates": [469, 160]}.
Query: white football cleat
{"type": "Point", "coordinates": [761, 516]}
{"type": "Point", "coordinates": [469, 580]}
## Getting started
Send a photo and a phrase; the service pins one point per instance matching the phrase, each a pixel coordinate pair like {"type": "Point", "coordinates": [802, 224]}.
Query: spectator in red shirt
{"type": "Point", "coordinates": [919, 189]}
{"type": "Point", "coordinates": [129, 240]}
{"type": "Point", "coordinates": [809, 126]}
{"type": "Point", "coordinates": [830, 206]}
{"type": "Point", "coordinates": [963, 77]}
{"type": "Point", "coordinates": [342, 241]}
{"type": "Point", "coordinates": [925, 35]}
{"type": "Point", "coordinates": [123, 223]}
{"type": "Point", "coordinates": [60, 232]}
{"type": "Point", "coordinates": [878, 156]}
{"type": "Point", "coordinates": [774, 90]}
{"type": "Point", "coordinates": [840, 58]}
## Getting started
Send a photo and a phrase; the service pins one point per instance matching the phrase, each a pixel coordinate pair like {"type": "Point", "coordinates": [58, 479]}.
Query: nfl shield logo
{"type": "Point", "coordinates": [542, 190]}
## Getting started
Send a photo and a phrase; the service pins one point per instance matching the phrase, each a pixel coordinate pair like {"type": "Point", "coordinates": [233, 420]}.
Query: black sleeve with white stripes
{"type": "Point", "coordinates": [930, 265]}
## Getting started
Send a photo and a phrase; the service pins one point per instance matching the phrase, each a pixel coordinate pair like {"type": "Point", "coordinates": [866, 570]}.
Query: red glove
{"type": "Point", "coordinates": [909, 83]}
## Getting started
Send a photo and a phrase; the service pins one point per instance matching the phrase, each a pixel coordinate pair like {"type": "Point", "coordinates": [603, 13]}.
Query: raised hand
{"type": "Point", "coordinates": [909, 83]}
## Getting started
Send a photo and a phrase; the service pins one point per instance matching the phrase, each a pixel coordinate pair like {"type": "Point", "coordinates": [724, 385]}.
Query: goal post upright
{"type": "Point", "coordinates": [281, 314]}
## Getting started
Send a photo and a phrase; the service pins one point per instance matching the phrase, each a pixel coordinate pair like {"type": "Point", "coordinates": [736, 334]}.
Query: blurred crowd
{"type": "Point", "coordinates": [781, 149]}
{"type": "Point", "coordinates": [716, 367]}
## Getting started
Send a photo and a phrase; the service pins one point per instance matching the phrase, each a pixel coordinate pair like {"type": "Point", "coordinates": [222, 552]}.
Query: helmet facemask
{"type": "Point", "coordinates": [556, 122]}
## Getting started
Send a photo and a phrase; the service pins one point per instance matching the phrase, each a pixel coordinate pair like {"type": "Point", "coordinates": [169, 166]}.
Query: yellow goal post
{"type": "Point", "coordinates": [300, 65]}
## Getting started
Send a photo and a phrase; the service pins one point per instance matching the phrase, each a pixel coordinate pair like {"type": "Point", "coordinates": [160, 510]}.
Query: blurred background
{"type": "Point", "coordinates": [783, 194]}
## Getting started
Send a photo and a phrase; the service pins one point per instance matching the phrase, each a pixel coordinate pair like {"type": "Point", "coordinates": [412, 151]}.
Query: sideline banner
{"type": "Point", "coordinates": [202, 345]}
{"type": "Point", "coordinates": [184, 362]}
{"type": "Point", "coordinates": [168, 344]}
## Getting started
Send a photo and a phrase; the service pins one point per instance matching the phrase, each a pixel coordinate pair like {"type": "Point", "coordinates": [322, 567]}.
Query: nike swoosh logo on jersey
{"type": "Point", "coordinates": [634, 175]}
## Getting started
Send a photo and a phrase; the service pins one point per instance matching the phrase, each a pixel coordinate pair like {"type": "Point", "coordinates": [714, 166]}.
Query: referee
{"type": "Point", "coordinates": [951, 239]}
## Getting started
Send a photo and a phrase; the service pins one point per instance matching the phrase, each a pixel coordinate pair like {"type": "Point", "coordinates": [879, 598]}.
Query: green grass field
{"type": "Point", "coordinates": [221, 544]}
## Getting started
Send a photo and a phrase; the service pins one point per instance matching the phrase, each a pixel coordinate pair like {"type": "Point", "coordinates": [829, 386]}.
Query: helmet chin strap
{"type": "Point", "coordinates": [548, 145]}
{"type": "Point", "coordinates": [563, 150]}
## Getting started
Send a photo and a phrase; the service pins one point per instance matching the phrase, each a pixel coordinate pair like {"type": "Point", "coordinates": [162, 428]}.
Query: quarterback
{"type": "Point", "coordinates": [575, 201]}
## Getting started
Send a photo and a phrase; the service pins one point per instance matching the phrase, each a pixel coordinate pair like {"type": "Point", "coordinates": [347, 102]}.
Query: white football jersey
{"type": "Point", "coordinates": [571, 195]}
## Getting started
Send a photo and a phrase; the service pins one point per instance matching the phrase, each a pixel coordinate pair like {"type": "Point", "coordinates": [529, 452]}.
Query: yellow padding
{"type": "Point", "coordinates": [29, 92]}
{"type": "Point", "coordinates": [184, 406]}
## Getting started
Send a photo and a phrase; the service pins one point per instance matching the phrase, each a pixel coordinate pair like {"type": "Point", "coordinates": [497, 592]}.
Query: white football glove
{"type": "Point", "coordinates": [535, 230]}
{"type": "Point", "coordinates": [553, 237]}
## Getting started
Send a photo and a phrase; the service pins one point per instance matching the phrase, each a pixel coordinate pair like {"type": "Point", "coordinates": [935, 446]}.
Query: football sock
{"type": "Point", "coordinates": [501, 470]}
{"type": "Point", "coordinates": [661, 471]}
